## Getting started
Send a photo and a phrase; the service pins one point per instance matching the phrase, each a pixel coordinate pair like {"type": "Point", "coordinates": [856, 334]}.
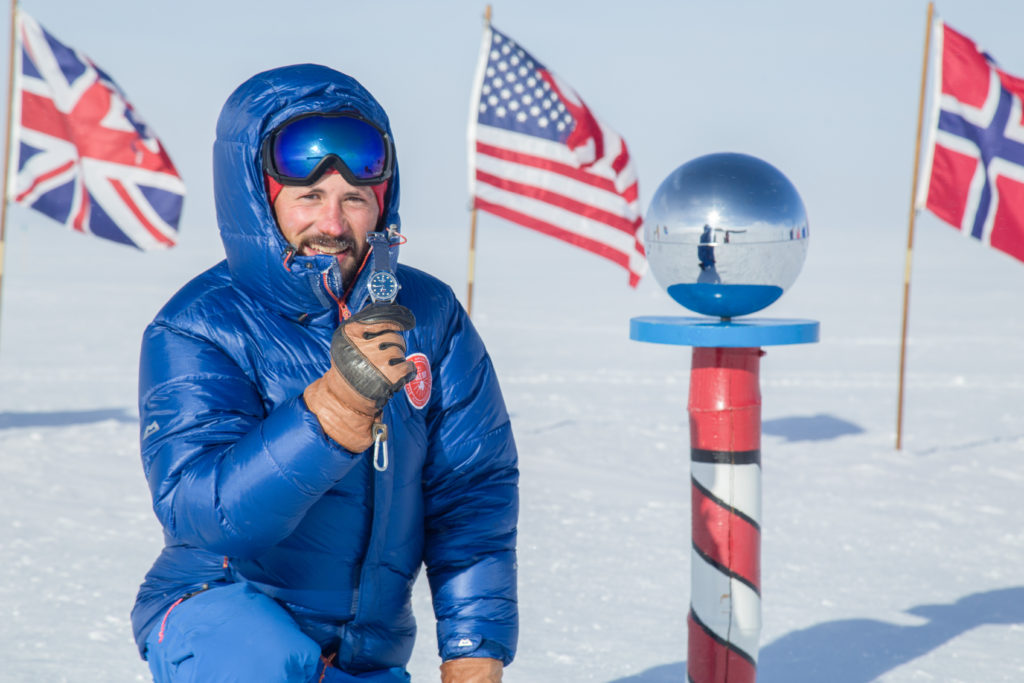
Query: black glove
{"type": "Point", "coordinates": [368, 351]}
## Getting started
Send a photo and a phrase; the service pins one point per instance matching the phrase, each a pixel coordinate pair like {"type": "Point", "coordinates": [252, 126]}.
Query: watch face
{"type": "Point", "coordinates": [383, 286]}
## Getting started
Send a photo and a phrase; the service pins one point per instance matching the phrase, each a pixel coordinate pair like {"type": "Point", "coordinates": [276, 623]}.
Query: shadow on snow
{"type": "Point", "coordinates": [65, 418]}
{"type": "Point", "coordinates": [861, 650]}
{"type": "Point", "coordinates": [810, 428]}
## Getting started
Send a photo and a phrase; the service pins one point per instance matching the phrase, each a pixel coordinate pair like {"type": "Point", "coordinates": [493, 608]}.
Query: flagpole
{"type": "Point", "coordinates": [910, 231]}
{"type": "Point", "coordinates": [7, 143]}
{"type": "Point", "coordinates": [471, 274]}
{"type": "Point", "coordinates": [472, 262]}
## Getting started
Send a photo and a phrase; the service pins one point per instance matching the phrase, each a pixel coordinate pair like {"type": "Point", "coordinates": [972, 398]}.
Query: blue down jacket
{"type": "Point", "coordinates": [244, 481]}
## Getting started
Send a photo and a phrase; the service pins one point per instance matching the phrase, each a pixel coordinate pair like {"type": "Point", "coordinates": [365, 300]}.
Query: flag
{"type": "Point", "coordinates": [83, 155]}
{"type": "Point", "coordinates": [540, 158]}
{"type": "Point", "coordinates": [973, 174]}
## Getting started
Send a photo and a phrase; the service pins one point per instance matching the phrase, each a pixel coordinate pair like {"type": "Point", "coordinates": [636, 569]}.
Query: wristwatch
{"type": "Point", "coordinates": [382, 285]}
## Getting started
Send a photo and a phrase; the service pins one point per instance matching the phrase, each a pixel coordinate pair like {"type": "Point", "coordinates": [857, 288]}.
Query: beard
{"type": "Point", "coordinates": [346, 250]}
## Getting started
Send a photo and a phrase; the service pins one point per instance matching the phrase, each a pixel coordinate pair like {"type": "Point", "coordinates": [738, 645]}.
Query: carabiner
{"type": "Point", "coordinates": [380, 446]}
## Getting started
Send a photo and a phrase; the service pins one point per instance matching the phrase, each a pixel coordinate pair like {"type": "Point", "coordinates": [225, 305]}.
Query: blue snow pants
{"type": "Point", "coordinates": [236, 633]}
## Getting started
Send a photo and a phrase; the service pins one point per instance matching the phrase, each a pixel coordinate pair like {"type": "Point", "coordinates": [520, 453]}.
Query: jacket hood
{"type": "Point", "coordinates": [257, 253]}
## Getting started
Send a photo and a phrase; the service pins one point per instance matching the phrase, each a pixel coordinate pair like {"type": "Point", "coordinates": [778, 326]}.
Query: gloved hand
{"type": "Point", "coordinates": [471, 670]}
{"type": "Point", "coordinates": [368, 366]}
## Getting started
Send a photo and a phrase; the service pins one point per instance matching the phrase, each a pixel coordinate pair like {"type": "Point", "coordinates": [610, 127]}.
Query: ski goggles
{"type": "Point", "coordinates": [301, 149]}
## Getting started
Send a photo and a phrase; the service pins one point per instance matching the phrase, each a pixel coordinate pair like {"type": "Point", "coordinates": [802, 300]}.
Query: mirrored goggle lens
{"type": "Point", "coordinates": [300, 145]}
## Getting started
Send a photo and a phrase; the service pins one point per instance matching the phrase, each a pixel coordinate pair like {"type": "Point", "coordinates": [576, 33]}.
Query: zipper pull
{"type": "Point", "coordinates": [380, 446]}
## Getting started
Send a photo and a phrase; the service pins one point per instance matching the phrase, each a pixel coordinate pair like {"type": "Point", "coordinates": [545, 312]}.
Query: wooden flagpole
{"type": "Point", "coordinates": [471, 275]}
{"type": "Point", "coordinates": [472, 262]}
{"type": "Point", "coordinates": [7, 143]}
{"type": "Point", "coordinates": [910, 230]}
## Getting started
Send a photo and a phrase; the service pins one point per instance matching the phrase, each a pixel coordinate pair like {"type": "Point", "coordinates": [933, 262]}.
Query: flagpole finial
{"type": "Point", "coordinates": [487, 15]}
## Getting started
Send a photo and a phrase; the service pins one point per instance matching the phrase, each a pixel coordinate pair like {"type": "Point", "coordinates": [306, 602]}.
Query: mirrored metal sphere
{"type": "Point", "coordinates": [726, 234]}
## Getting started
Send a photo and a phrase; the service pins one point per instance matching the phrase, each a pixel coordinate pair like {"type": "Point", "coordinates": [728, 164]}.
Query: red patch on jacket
{"type": "Point", "coordinates": [418, 388]}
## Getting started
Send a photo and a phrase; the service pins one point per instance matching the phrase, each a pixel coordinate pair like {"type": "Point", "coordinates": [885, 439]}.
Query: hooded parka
{"type": "Point", "coordinates": [244, 481]}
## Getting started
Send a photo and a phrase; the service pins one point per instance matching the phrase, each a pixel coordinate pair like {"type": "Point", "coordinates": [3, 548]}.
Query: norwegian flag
{"type": "Point", "coordinates": [973, 175]}
{"type": "Point", "coordinates": [540, 158]}
{"type": "Point", "coordinates": [84, 157]}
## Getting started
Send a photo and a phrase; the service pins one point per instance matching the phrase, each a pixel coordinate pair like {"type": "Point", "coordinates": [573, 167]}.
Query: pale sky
{"type": "Point", "coordinates": [825, 91]}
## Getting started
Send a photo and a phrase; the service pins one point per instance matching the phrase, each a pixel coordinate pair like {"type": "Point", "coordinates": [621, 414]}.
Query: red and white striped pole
{"type": "Point", "coordinates": [725, 468]}
{"type": "Point", "coordinates": [725, 281]}
{"type": "Point", "coordinates": [725, 483]}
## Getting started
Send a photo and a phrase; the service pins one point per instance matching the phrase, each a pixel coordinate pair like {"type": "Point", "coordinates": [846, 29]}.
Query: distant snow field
{"type": "Point", "coordinates": [877, 564]}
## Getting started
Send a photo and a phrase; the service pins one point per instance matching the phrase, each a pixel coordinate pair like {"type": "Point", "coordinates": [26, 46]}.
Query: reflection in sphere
{"type": "Point", "coordinates": [726, 234]}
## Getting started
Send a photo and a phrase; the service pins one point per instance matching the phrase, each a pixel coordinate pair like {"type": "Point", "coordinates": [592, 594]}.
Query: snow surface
{"type": "Point", "coordinates": [877, 564]}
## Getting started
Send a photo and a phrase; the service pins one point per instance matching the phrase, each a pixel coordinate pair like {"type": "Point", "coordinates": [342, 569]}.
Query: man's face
{"type": "Point", "coordinates": [328, 217]}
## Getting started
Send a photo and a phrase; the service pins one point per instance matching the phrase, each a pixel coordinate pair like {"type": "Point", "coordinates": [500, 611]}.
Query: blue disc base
{"type": "Point", "coordinates": [724, 301]}
{"type": "Point", "coordinates": [714, 332]}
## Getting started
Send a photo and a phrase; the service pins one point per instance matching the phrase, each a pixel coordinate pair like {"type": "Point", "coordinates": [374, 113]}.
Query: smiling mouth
{"type": "Point", "coordinates": [327, 245]}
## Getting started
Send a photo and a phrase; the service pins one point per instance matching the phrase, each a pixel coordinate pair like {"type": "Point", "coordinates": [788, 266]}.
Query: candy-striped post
{"type": "Point", "coordinates": [725, 466]}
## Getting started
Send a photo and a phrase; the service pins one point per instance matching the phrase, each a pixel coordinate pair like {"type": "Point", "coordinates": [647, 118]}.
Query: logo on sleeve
{"type": "Point", "coordinates": [418, 388]}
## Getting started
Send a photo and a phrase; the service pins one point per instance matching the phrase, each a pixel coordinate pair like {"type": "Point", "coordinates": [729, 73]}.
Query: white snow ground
{"type": "Point", "coordinates": [877, 564]}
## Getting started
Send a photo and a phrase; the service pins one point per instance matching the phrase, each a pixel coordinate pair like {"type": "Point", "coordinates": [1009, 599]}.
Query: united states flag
{"type": "Point", "coordinates": [83, 155]}
{"type": "Point", "coordinates": [540, 158]}
{"type": "Point", "coordinates": [974, 169]}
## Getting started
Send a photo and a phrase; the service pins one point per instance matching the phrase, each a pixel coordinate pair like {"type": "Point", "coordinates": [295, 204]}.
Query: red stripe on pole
{"type": "Point", "coordinates": [709, 660]}
{"type": "Point", "coordinates": [725, 399]}
{"type": "Point", "coordinates": [726, 538]}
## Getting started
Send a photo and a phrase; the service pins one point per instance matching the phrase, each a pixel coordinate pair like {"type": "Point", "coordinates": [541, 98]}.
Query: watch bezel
{"type": "Point", "coordinates": [392, 284]}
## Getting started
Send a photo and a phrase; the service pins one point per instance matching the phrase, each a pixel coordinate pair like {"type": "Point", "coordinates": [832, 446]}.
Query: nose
{"type": "Point", "coordinates": [332, 220]}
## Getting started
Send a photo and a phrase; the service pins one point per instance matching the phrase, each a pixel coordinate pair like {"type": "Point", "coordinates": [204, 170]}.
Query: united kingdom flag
{"type": "Point", "coordinates": [974, 170]}
{"type": "Point", "coordinates": [83, 155]}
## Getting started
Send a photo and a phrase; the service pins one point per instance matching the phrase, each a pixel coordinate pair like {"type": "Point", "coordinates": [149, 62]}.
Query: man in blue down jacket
{"type": "Point", "coordinates": [294, 524]}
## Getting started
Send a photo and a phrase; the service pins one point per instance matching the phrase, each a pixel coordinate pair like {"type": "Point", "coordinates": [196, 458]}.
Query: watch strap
{"type": "Point", "coordinates": [381, 251]}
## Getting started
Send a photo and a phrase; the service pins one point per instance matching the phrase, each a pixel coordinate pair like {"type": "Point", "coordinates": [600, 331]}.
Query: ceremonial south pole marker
{"type": "Point", "coordinates": [726, 235]}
